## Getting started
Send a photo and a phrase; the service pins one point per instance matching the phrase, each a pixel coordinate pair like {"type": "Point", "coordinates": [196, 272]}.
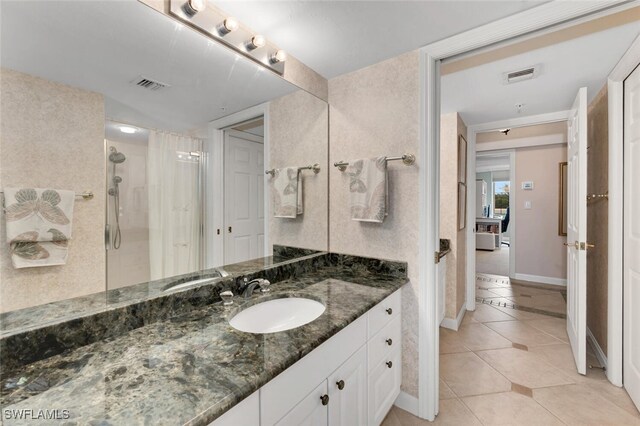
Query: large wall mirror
{"type": "Point", "coordinates": [170, 132]}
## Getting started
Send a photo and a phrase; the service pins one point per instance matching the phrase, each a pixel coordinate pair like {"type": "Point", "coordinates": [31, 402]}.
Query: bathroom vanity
{"type": "Point", "coordinates": [351, 379]}
{"type": "Point", "coordinates": [188, 365]}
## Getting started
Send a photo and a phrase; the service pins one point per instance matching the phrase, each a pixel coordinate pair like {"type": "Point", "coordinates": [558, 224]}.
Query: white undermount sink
{"type": "Point", "coordinates": [277, 315]}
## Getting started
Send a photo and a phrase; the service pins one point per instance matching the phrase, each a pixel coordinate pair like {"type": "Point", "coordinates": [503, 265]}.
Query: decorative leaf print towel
{"type": "Point", "coordinates": [287, 193]}
{"type": "Point", "coordinates": [368, 188]}
{"type": "Point", "coordinates": [38, 225]}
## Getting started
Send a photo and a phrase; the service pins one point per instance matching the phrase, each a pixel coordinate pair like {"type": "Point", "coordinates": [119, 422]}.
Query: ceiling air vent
{"type": "Point", "coordinates": [149, 84]}
{"type": "Point", "coordinates": [521, 75]}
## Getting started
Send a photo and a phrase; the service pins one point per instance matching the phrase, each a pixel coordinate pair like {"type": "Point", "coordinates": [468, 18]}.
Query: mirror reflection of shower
{"type": "Point", "coordinates": [116, 158]}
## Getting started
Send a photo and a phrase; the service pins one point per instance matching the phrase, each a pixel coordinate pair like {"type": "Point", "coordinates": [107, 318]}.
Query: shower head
{"type": "Point", "coordinates": [116, 157]}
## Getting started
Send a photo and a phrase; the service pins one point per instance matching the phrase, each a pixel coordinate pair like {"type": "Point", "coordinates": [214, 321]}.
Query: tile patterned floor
{"type": "Point", "coordinates": [514, 367]}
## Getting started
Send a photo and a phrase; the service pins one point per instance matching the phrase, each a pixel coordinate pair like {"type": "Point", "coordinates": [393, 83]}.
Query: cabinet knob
{"type": "Point", "coordinates": [389, 364]}
{"type": "Point", "coordinates": [389, 342]}
{"type": "Point", "coordinates": [389, 311]}
{"type": "Point", "coordinates": [324, 399]}
{"type": "Point", "coordinates": [340, 384]}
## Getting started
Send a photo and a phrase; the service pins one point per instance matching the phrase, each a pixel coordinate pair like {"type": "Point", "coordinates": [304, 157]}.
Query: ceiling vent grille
{"type": "Point", "coordinates": [149, 84]}
{"type": "Point", "coordinates": [521, 75]}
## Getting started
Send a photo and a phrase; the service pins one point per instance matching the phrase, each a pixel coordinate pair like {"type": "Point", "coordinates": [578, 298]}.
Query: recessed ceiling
{"type": "Point", "coordinates": [480, 95]}
{"type": "Point", "coordinates": [102, 46]}
{"type": "Point", "coordinates": [336, 37]}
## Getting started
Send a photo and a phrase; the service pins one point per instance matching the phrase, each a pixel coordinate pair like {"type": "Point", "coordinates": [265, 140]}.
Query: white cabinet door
{"type": "Point", "coordinates": [348, 391]}
{"type": "Point", "coordinates": [384, 387]}
{"type": "Point", "coordinates": [311, 411]}
{"type": "Point", "coordinates": [577, 230]}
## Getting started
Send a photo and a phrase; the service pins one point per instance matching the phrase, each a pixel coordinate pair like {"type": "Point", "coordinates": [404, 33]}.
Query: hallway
{"type": "Point", "coordinates": [515, 367]}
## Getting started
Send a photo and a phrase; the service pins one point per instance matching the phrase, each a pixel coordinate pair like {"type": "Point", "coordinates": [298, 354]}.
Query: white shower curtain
{"type": "Point", "coordinates": [174, 205]}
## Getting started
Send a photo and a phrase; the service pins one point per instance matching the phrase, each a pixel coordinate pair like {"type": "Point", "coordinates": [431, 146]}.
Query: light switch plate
{"type": "Point", "coordinates": [527, 205]}
{"type": "Point", "coordinates": [527, 186]}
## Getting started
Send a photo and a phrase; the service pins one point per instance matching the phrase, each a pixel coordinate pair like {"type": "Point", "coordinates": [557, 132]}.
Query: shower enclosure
{"type": "Point", "coordinates": [154, 205]}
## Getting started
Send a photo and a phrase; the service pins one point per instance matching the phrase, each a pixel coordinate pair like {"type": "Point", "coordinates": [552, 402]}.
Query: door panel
{"type": "Point", "coordinates": [310, 411]}
{"type": "Point", "coordinates": [243, 198]}
{"type": "Point", "coordinates": [348, 406]}
{"type": "Point", "coordinates": [631, 295]}
{"type": "Point", "coordinates": [577, 230]}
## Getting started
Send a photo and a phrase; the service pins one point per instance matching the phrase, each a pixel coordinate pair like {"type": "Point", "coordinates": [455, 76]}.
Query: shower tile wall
{"type": "Point", "coordinates": [129, 264]}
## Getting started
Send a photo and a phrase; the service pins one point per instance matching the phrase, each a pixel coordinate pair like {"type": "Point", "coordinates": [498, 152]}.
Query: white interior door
{"type": "Point", "coordinates": [577, 230]}
{"type": "Point", "coordinates": [631, 292]}
{"type": "Point", "coordinates": [243, 197]}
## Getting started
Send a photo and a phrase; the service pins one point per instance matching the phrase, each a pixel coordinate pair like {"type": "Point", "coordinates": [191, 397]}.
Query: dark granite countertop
{"type": "Point", "coordinates": [192, 367]}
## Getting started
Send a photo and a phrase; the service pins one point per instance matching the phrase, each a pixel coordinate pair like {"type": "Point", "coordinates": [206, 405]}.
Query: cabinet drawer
{"type": "Point", "coordinates": [383, 313]}
{"type": "Point", "coordinates": [384, 386]}
{"type": "Point", "coordinates": [384, 342]}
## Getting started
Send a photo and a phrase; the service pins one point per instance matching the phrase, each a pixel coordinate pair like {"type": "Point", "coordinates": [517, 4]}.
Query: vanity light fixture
{"type": "Point", "coordinates": [207, 18]}
{"type": "Point", "coordinates": [255, 42]}
{"type": "Point", "coordinates": [228, 25]}
{"type": "Point", "coordinates": [128, 129]}
{"type": "Point", "coordinates": [279, 56]}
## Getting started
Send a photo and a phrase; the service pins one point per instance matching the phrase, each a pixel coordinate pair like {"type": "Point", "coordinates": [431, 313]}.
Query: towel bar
{"type": "Point", "coordinates": [314, 167]}
{"type": "Point", "coordinates": [407, 159]}
{"type": "Point", "coordinates": [87, 195]}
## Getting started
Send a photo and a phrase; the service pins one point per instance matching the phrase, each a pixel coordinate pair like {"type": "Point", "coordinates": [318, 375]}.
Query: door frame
{"type": "Point", "coordinates": [471, 292]}
{"type": "Point", "coordinates": [214, 178]}
{"type": "Point", "coordinates": [615, 93]}
{"type": "Point", "coordinates": [544, 18]}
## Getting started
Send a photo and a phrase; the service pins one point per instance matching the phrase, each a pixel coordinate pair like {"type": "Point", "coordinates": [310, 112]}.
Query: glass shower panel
{"type": "Point", "coordinates": [154, 210]}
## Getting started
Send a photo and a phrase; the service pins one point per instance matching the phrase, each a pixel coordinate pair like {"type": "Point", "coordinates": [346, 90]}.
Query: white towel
{"type": "Point", "coordinates": [287, 192]}
{"type": "Point", "coordinates": [38, 225]}
{"type": "Point", "coordinates": [368, 189]}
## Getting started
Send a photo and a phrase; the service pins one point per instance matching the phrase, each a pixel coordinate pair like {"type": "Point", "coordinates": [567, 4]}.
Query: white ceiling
{"type": "Point", "coordinates": [102, 46]}
{"type": "Point", "coordinates": [479, 95]}
{"type": "Point", "coordinates": [336, 37]}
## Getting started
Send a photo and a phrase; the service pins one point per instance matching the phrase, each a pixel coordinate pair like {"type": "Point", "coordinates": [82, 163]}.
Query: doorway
{"type": "Point", "coordinates": [494, 213]}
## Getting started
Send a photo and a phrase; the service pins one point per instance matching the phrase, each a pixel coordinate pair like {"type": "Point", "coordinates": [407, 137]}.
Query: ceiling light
{"type": "Point", "coordinates": [194, 6]}
{"type": "Point", "coordinates": [128, 129]}
{"type": "Point", "coordinates": [279, 56]}
{"type": "Point", "coordinates": [228, 25]}
{"type": "Point", "coordinates": [256, 42]}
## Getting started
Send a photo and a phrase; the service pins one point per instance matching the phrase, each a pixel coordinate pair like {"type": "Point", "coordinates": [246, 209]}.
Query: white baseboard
{"type": "Point", "coordinates": [542, 280]}
{"type": "Point", "coordinates": [454, 324]}
{"type": "Point", "coordinates": [407, 403]}
{"type": "Point", "coordinates": [602, 358]}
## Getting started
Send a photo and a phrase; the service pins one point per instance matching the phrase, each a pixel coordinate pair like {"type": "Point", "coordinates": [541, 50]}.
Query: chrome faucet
{"type": "Point", "coordinates": [249, 287]}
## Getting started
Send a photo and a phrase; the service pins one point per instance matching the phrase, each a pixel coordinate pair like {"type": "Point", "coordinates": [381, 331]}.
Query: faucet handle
{"type": "Point", "coordinates": [227, 297]}
{"type": "Point", "coordinates": [264, 286]}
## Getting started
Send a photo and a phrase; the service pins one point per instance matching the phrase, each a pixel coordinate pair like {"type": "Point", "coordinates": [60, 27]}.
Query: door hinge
{"type": "Point", "coordinates": [230, 229]}
{"type": "Point", "coordinates": [436, 257]}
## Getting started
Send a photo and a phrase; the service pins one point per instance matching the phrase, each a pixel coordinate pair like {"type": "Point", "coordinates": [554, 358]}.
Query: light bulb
{"type": "Point", "coordinates": [231, 24]}
{"type": "Point", "coordinates": [194, 6]}
{"type": "Point", "coordinates": [228, 25]}
{"type": "Point", "coordinates": [279, 56]}
{"type": "Point", "coordinates": [256, 42]}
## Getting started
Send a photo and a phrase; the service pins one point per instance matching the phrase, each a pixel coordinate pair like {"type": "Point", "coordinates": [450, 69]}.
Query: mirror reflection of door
{"type": "Point", "coordinates": [244, 173]}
